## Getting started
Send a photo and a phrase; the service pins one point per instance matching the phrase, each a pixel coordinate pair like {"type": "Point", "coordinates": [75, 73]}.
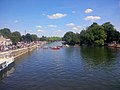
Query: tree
{"type": "Point", "coordinates": [77, 38]}
{"type": "Point", "coordinates": [108, 27]}
{"type": "Point", "coordinates": [71, 38]}
{"type": "Point", "coordinates": [34, 37]}
{"type": "Point", "coordinates": [110, 32]}
{"type": "Point", "coordinates": [29, 37]}
{"type": "Point", "coordinates": [43, 38]}
{"type": "Point", "coordinates": [54, 39]}
{"type": "Point", "coordinates": [6, 33]}
{"type": "Point", "coordinates": [94, 35]}
{"type": "Point", "coordinates": [16, 37]}
{"type": "Point", "coordinates": [99, 35]}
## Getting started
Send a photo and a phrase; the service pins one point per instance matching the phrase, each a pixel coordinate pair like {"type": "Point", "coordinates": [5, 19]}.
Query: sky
{"type": "Point", "coordinates": [56, 17]}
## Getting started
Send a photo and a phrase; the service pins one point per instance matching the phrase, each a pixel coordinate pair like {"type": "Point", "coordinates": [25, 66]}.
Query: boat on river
{"type": "Point", "coordinates": [66, 45]}
{"type": "Point", "coordinates": [55, 48]}
{"type": "Point", "coordinates": [6, 59]}
{"type": "Point", "coordinates": [60, 46]}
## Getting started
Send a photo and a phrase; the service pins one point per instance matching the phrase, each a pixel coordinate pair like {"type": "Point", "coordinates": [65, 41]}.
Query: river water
{"type": "Point", "coordinates": [73, 68]}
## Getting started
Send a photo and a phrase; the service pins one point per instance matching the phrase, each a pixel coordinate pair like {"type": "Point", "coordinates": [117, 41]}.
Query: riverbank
{"type": "Point", "coordinates": [114, 45]}
{"type": "Point", "coordinates": [18, 52]}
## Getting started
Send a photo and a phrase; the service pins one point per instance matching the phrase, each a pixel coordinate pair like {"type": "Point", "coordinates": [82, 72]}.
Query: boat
{"type": "Point", "coordinates": [55, 48]}
{"type": "Point", "coordinates": [60, 46]}
{"type": "Point", "coordinates": [6, 59]}
{"type": "Point", "coordinates": [66, 45]}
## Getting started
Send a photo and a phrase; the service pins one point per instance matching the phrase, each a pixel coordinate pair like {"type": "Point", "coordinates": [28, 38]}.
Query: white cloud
{"type": "Point", "coordinates": [40, 30]}
{"type": "Point", "coordinates": [70, 24]}
{"type": "Point", "coordinates": [52, 26]}
{"type": "Point", "coordinates": [56, 16]}
{"type": "Point", "coordinates": [73, 11]}
{"type": "Point", "coordinates": [16, 21]}
{"type": "Point", "coordinates": [88, 10]}
{"type": "Point", "coordinates": [76, 28]}
{"type": "Point", "coordinates": [92, 18]}
{"type": "Point", "coordinates": [39, 26]}
{"type": "Point", "coordinates": [73, 27]}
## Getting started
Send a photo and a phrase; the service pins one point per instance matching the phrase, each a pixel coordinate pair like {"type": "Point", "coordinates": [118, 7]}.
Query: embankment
{"type": "Point", "coordinates": [18, 52]}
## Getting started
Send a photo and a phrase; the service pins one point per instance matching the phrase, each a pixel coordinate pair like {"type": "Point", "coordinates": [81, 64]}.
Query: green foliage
{"type": "Point", "coordinates": [99, 42]}
{"type": "Point", "coordinates": [71, 38]}
{"type": "Point", "coordinates": [51, 39]}
{"type": "Point", "coordinates": [26, 38]}
{"type": "Point", "coordinates": [94, 35]}
{"type": "Point", "coordinates": [108, 27]}
{"type": "Point", "coordinates": [29, 37]}
{"type": "Point", "coordinates": [16, 37]}
{"type": "Point", "coordinates": [34, 37]}
{"type": "Point", "coordinates": [112, 34]}
{"type": "Point", "coordinates": [6, 33]}
{"type": "Point", "coordinates": [77, 38]}
{"type": "Point", "coordinates": [43, 38]}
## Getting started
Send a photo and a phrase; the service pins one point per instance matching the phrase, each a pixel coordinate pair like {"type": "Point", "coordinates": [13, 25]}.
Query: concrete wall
{"type": "Point", "coordinates": [19, 52]}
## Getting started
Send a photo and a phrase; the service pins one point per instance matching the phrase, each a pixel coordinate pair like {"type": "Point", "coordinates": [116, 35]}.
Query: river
{"type": "Point", "coordinates": [70, 68]}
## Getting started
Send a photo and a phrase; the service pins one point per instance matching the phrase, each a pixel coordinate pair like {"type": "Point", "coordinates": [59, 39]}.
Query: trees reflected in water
{"type": "Point", "coordinates": [98, 55]}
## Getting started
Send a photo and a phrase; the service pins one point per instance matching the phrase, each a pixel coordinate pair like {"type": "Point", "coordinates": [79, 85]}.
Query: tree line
{"type": "Point", "coordinates": [17, 37]}
{"type": "Point", "coordinates": [94, 35]}
{"type": "Point", "coordinates": [50, 39]}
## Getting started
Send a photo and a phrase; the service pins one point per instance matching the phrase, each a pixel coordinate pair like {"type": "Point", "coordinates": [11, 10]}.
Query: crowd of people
{"type": "Point", "coordinates": [19, 45]}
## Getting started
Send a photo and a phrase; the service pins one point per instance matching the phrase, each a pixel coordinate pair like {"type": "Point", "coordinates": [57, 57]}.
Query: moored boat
{"type": "Point", "coordinates": [66, 45]}
{"type": "Point", "coordinates": [6, 59]}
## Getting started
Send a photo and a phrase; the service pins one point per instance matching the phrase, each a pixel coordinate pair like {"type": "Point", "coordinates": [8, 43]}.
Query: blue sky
{"type": "Point", "coordinates": [56, 17]}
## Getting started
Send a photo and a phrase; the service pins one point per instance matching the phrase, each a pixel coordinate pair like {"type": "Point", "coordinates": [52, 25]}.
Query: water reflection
{"type": "Point", "coordinates": [21, 58]}
{"type": "Point", "coordinates": [97, 55]}
{"type": "Point", "coordinates": [7, 72]}
{"type": "Point", "coordinates": [73, 68]}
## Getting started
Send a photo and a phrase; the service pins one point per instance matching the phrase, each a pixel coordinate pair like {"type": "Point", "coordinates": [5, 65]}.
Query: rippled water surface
{"type": "Point", "coordinates": [73, 68]}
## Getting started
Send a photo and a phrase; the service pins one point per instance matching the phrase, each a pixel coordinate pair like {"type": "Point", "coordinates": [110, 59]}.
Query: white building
{"type": "Point", "coordinates": [4, 41]}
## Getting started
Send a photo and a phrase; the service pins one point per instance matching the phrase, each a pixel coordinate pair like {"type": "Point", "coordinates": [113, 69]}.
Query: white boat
{"type": "Point", "coordinates": [66, 45]}
{"type": "Point", "coordinates": [6, 59]}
